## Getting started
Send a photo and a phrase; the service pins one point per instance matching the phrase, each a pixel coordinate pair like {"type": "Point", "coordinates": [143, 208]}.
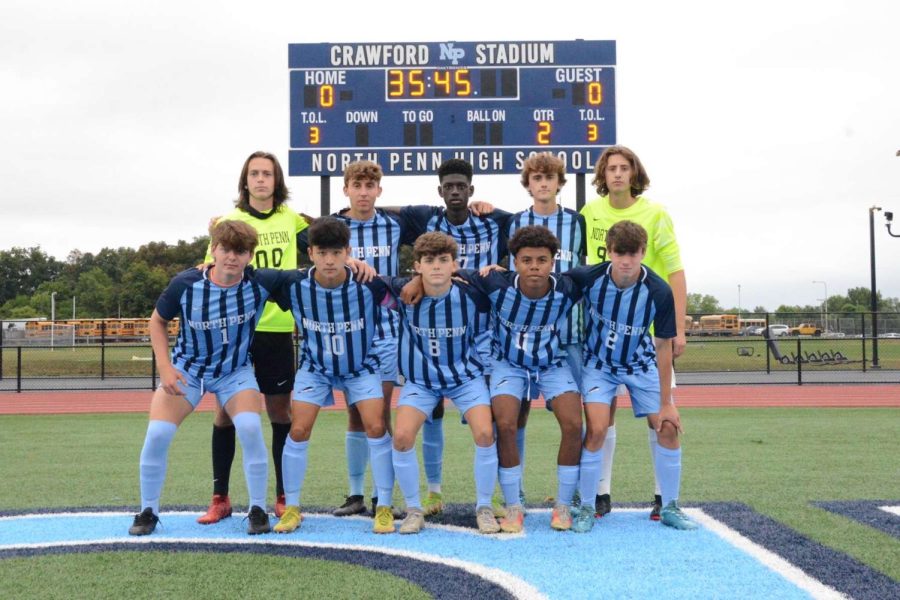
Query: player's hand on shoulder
{"type": "Point", "coordinates": [485, 271]}
{"type": "Point", "coordinates": [480, 208]}
{"type": "Point", "coordinates": [204, 266]}
{"type": "Point", "coordinates": [364, 272]}
{"type": "Point", "coordinates": [412, 292]}
{"type": "Point", "coordinates": [213, 221]}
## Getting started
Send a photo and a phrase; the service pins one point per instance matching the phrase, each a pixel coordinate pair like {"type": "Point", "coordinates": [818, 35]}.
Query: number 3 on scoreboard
{"type": "Point", "coordinates": [314, 135]}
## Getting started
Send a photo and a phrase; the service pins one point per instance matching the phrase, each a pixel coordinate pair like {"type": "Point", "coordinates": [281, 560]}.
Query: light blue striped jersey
{"type": "Point", "coordinates": [617, 321]}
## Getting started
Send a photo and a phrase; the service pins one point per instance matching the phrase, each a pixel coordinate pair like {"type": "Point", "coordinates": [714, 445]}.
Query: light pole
{"type": "Point", "coordinates": [52, 317]}
{"type": "Point", "coordinates": [873, 293]}
{"type": "Point", "coordinates": [739, 303]}
{"type": "Point", "coordinates": [824, 307]}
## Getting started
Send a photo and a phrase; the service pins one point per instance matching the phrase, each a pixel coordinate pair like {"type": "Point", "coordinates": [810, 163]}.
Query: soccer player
{"type": "Point", "coordinates": [530, 306]}
{"type": "Point", "coordinates": [339, 318]}
{"type": "Point", "coordinates": [622, 300]}
{"type": "Point", "coordinates": [482, 242]}
{"type": "Point", "coordinates": [219, 310]}
{"type": "Point", "coordinates": [262, 194]}
{"type": "Point", "coordinates": [375, 237]}
{"type": "Point", "coordinates": [544, 175]}
{"type": "Point", "coordinates": [438, 359]}
{"type": "Point", "coordinates": [621, 179]}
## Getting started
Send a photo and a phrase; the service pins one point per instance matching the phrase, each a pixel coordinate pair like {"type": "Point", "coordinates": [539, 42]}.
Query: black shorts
{"type": "Point", "coordinates": [272, 353]}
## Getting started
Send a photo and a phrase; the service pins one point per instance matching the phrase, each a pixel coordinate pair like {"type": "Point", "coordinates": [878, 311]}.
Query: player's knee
{"type": "Point", "coordinates": [375, 430]}
{"type": "Point", "coordinates": [484, 437]}
{"type": "Point", "coordinates": [300, 432]}
{"type": "Point", "coordinates": [595, 435]}
{"type": "Point", "coordinates": [222, 419]}
{"type": "Point", "coordinates": [667, 434]}
{"type": "Point", "coordinates": [404, 439]}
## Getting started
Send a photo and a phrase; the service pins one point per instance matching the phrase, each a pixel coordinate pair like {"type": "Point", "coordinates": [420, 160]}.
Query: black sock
{"type": "Point", "coordinates": [279, 435]}
{"type": "Point", "coordinates": [222, 457]}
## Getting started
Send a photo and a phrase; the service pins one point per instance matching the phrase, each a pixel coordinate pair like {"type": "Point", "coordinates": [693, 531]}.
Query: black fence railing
{"type": "Point", "coordinates": [840, 352]}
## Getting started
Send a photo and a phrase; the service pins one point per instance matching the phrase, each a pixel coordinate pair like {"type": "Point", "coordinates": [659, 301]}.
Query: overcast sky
{"type": "Point", "coordinates": [768, 129]}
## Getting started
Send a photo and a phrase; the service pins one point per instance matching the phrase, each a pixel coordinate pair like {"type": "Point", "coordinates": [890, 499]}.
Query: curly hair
{"type": "Point", "coordinates": [533, 236]}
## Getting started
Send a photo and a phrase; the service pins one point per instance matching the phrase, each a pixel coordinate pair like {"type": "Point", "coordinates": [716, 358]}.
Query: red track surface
{"type": "Point", "coordinates": [852, 396]}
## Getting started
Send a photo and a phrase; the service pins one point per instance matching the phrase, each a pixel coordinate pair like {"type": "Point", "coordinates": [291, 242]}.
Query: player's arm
{"type": "Point", "coordinates": [169, 376]}
{"type": "Point", "coordinates": [678, 284]}
{"type": "Point", "coordinates": [667, 410]}
{"type": "Point", "coordinates": [364, 272]}
{"type": "Point", "coordinates": [413, 291]}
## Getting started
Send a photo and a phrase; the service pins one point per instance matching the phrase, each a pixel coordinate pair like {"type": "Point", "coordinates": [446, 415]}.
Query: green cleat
{"type": "Point", "coordinates": [498, 507]}
{"type": "Point", "coordinates": [584, 519]}
{"type": "Point", "coordinates": [673, 516]}
{"type": "Point", "coordinates": [433, 504]}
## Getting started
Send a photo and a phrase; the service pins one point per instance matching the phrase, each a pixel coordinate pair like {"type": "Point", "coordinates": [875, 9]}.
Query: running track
{"type": "Point", "coordinates": [847, 396]}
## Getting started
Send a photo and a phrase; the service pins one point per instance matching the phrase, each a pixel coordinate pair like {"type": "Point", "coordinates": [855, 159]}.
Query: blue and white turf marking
{"type": "Point", "coordinates": [625, 554]}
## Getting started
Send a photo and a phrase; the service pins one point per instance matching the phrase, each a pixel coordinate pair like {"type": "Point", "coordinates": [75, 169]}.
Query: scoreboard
{"type": "Point", "coordinates": [410, 106]}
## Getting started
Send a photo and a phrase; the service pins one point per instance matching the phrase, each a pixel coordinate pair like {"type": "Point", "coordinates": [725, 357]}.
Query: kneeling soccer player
{"type": "Point", "coordinates": [622, 299]}
{"type": "Point", "coordinates": [219, 309]}
{"type": "Point", "coordinates": [438, 357]}
{"type": "Point", "coordinates": [339, 318]}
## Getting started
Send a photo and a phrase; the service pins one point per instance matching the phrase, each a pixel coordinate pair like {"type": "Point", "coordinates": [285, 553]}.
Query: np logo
{"type": "Point", "coordinates": [448, 52]}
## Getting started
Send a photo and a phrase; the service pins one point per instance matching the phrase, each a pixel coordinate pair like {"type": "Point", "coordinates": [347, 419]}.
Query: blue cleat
{"type": "Point", "coordinates": [584, 520]}
{"type": "Point", "coordinates": [673, 516]}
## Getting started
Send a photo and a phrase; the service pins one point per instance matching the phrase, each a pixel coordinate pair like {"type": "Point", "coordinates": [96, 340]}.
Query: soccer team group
{"type": "Point", "coordinates": [462, 328]}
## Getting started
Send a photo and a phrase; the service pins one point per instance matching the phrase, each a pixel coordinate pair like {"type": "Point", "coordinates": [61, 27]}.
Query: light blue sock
{"type": "Point", "coordinates": [520, 442]}
{"type": "Point", "coordinates": [406, 470]}
{"type": "Point", "coordinates": [256, 461]}
{"type": "Point", "coordinates": [433, 450]}
{"type": "Point", "coordinates": [589, 475]}
{"type": "Point", "coordinates": [293, 469]}
{"type": "Point", "coordinates": [668, 465]}
{"type": "Point", "coordinates": [567, 479]}
{"type": "Point", "coordinates": [485, 474]}
{"type": "Point", "coordinates": [154, 456]}
{"type": "Point", "coordinates": [357, 449]}
{"type": "Point", "coordinates": [509, 483]}
{"type": "Point", "coordinates": [382, 469]}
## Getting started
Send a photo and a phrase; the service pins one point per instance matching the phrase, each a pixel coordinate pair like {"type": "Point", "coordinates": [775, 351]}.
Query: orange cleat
{"type": "Point", "coordinates": [219, 508]}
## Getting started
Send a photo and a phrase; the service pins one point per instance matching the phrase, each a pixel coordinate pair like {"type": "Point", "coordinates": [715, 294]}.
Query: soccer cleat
{"type": "Point", "coordinates": [259, 521]}
{"type": "Point", "coordinates": [353, 505]}
{"type": "Point", "coordinates": [398, 514]}
{"type": "Point", "coordinates": [603, 505]}
{"type": "Point", "coordinates": [487, 522]}
{"type": "Point", "coordinates": [384, 520]}
{"type": "Point", "coordinates": [413, 523]}
{"type": "Point", "coordinates": [673, 516]}
{"type": "Point", "coordinates": [576, 500]}
{"type": "Point", "coordinates": [656, 508]}
{"type": "Point", "coordinates": [562, 517]}
{"type": "Point", "coordinates": [584, 520]}
{"type": "Point", "coordinates": [290, 520]}
{"type": "Point", "coordinates": [279, 505]}
{"type": "Point", "coordinates": [144, 522]}
{"type": "Point", "coordinates": [498, 507]}
{"type": "Point", "coordinates": [219, 508]}
{"type": "Point", "coordinates": [514, 521]}
{"type": "Point", "coordinates": [434, 504]}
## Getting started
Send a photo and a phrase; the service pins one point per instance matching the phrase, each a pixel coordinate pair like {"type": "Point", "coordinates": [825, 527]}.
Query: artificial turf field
{"type": "Point", "coordinates": [777, 464]}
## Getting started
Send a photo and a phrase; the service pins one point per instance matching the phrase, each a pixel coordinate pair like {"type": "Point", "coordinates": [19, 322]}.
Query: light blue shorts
{"type": "Point", "coordinates": [316, 388]}
{"type": "Point", "coordinates": [552, 381]}
{"type": "Point", "coordinates": [224, 387]}
{"type": "Point", "coordinates": [573, 355]}
{"type": "Point", "coordinates": [386, 349]}
{"type": "Point", "coordinates": [600, 386]}
{"type": "Point", "coordinates": [470, 394]}
{"type": "Point", "coordinates": [483, 349]}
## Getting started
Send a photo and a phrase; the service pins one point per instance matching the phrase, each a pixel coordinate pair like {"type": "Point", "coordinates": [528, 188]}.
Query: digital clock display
{"type": "Point", "coordinates": [409, 106]}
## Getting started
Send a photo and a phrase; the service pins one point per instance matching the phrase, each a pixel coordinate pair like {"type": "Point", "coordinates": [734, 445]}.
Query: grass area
{"type": "Point", "coordinates": [703, 355]}
{"type": "Point", "coordinates": [776, 460]}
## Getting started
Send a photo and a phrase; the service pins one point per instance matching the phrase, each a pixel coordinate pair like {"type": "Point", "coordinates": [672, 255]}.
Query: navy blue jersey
{"type": "Point", "coordinates": [568, 227]}
{"type": "Point", "coordinates": [437, 336]}
{"type": "Point", "coordinates": [338, 324]}
{"type": "Point", "coordinates": [526, 331]}
{"type": "Point", "coordinates": [217, 323]}
{"type": "Point", "coordinates": [618, 320]}
{"type": "Point", "coordinates": [482, 240]}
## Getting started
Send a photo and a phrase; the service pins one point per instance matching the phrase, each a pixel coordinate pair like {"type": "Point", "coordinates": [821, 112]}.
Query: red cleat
{"type": "Point", "coordinates": [219, 508]}
{"type": "Point", "coordinates": [279, 505]}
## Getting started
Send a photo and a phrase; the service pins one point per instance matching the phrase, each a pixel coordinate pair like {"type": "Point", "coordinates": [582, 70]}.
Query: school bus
{"type": "Point", "coordinates": [746, 324]}
{"type": "Point", "coordinates": [95, 329]}
{"type": "Point", "coordinates": [718, 325]}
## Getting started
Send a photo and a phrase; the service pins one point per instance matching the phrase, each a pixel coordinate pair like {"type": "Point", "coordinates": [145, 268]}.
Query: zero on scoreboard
{"type": "Point", "coordinates": [410, 106]}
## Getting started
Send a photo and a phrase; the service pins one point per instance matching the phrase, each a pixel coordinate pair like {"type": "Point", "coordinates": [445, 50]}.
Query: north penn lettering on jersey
{"type": "Point", "coordinates": [475, 248]}
{"type": "Point", "coordinates": [362, 252]}
{"type": "Point", "coordinates": [386, 55]}
{"type": "Point", "coordinates": [525, 328]}
{"type": "Point", "coordinates": [272, 238]}
{"type": "Point", "coordinates": [438, 332]}
{"type": "Point", "coordinates": [622, 328]}
{"type": "Point", "coordinates": [223, 322]}
{"type": "Point", "coordinates": [329, 327]}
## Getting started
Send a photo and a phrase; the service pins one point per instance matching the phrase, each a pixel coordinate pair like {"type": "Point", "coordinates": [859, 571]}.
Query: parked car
{"type": "Point", "coordinates": [806, 329]}
{"type": "Point", "coordinates": [891, 336]}
{"type": "Point", "coordinates": [778, 330]}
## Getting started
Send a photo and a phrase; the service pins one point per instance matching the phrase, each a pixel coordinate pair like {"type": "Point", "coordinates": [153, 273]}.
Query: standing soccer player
{"type": "Point", "coordinates": [262, 194]}
{"type": "Point", "coordinates": [621, 179]}
{"type": "Point", "coordinates": [622, 300]}
{"type": "Point", "coordinates": [530, 306]}
{"type": "Point", "coordinates": [438, 359]}
{"type": "Point", "coordinates": [544, 175]}
{"type": "Point", "coordinates": [219, 309]}
{"type": "Point", "coordinates": [339, 318]}
{"type": "Point", "coordinates": [482, 242]}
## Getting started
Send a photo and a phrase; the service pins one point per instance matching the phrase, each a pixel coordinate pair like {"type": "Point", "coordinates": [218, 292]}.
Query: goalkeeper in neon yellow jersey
{"type": "Point", "coordinates": [621, 179]}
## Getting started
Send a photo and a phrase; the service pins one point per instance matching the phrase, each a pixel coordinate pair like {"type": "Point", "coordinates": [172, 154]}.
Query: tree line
{"type": "Point", "coordinates": [124, 282]}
